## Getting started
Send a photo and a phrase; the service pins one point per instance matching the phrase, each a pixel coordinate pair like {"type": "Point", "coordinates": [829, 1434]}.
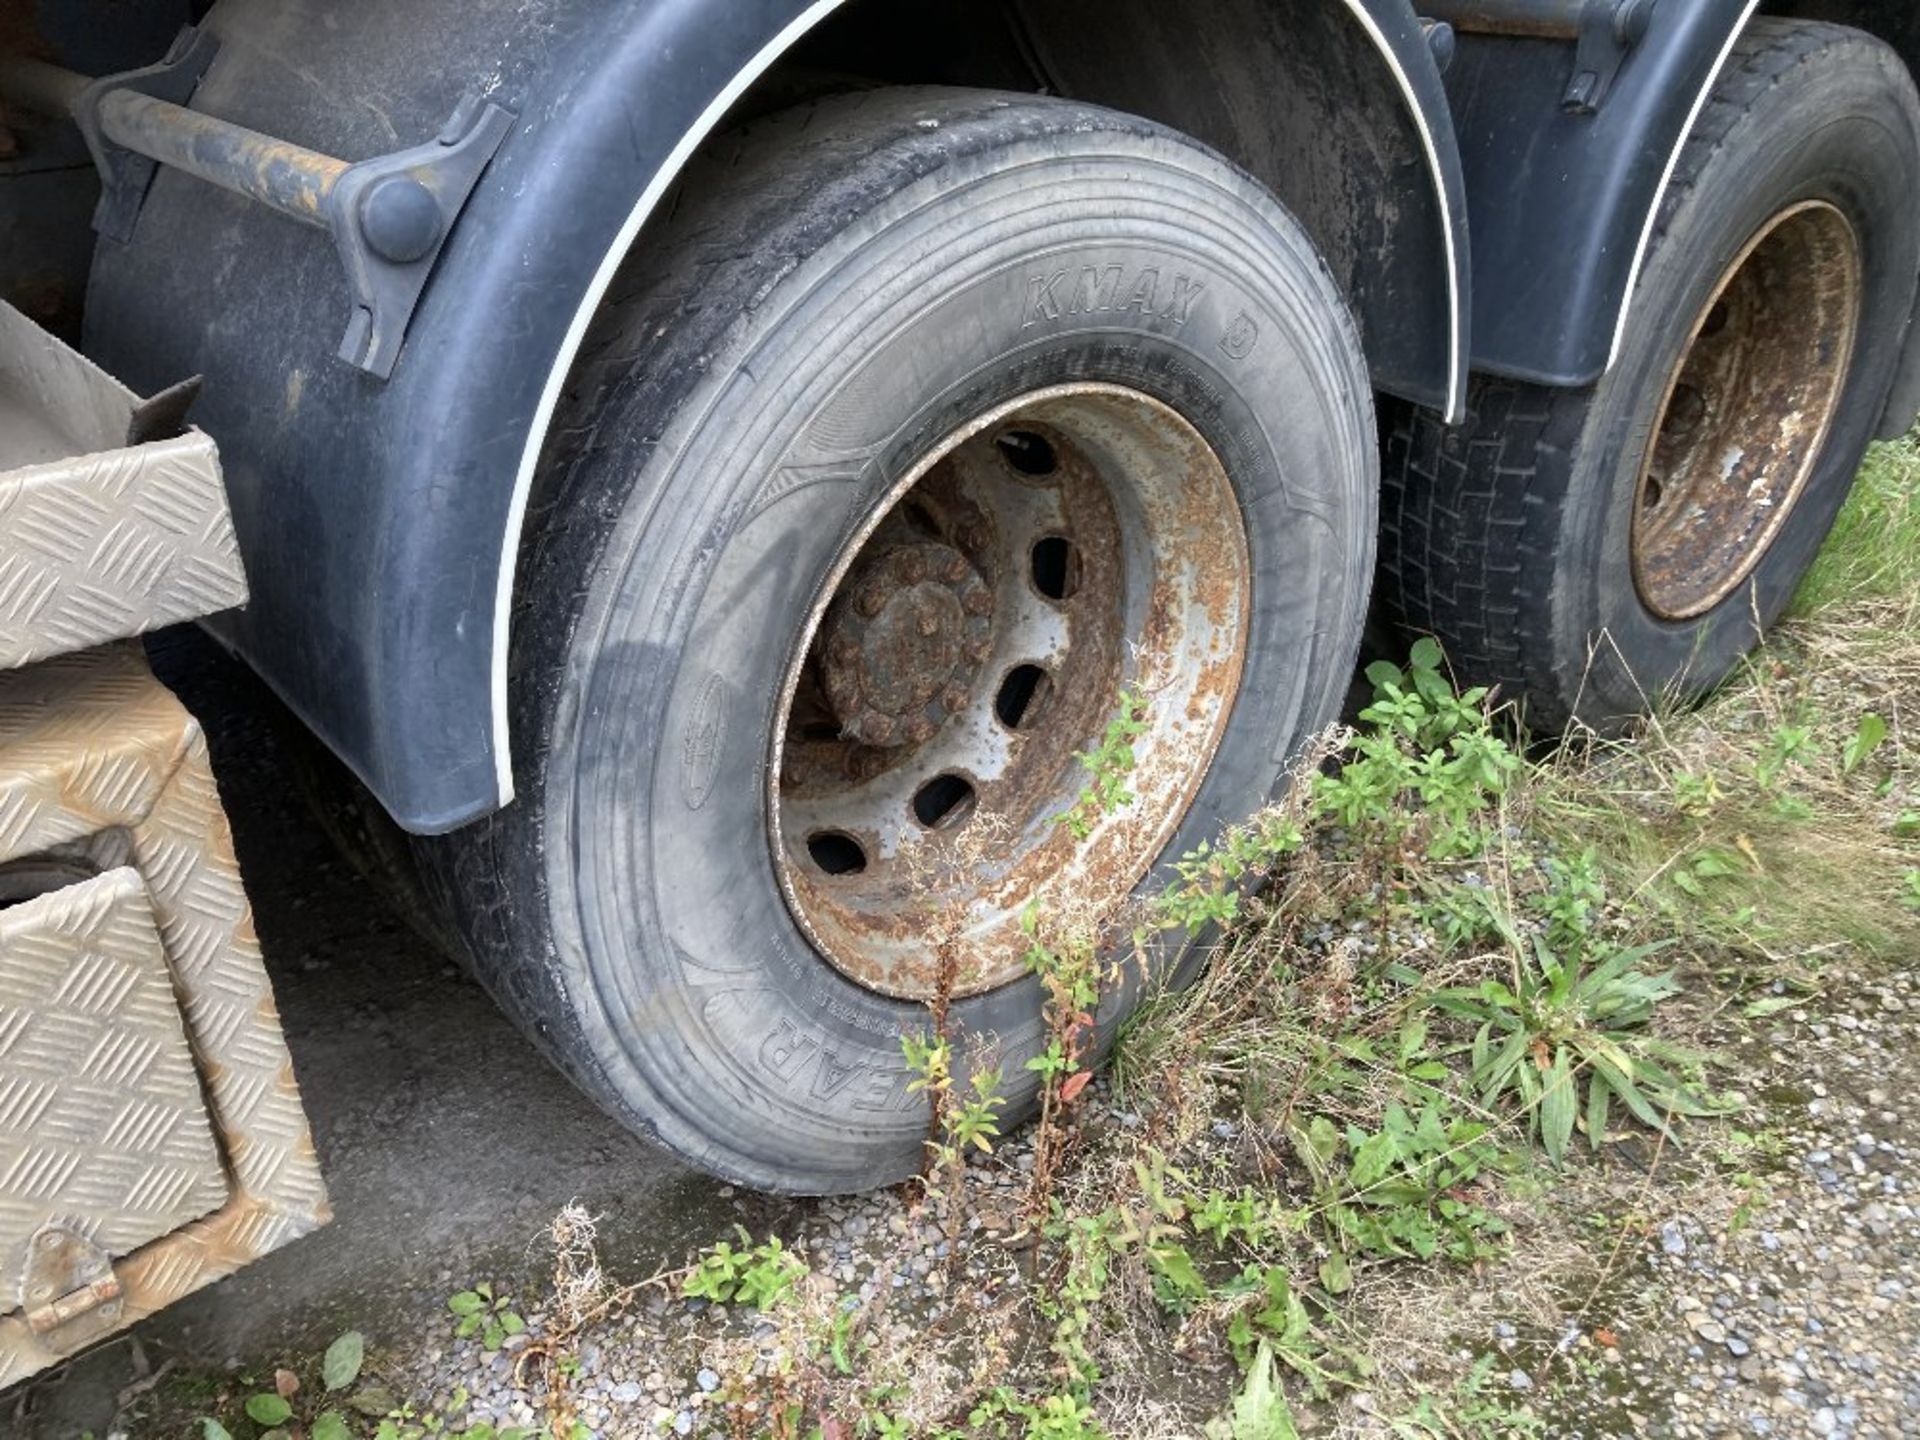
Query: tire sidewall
{"type": "Point", "coordinates": [708, 1010]}
{"type": "Point", "coordinates": [1828, 142]}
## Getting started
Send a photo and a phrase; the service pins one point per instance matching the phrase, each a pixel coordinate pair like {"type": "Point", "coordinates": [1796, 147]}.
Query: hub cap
{"type": "Point", "coordinates": [1747, 411]}
{"type": "Point", "coordinates": [1077, 544]}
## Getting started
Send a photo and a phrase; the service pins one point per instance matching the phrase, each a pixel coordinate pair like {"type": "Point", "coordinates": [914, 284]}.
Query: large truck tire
{"type": "Point", "coordinates": [930, 425]}
{"type": "Point", "coordinates": [1596, 553]}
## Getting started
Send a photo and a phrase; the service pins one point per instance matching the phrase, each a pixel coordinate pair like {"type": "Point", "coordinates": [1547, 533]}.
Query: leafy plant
{"type": "Point", "coordinates": [1241, 1217]}
{"type": "Point", "coordinates": [1108, 765]}
{"type": "Point", "coordinates": [1573, 899]}
{"type": "Point", "coordinates": [269, 1409]}
{"type": "Point", "coordinates": [1428, 760]}
{"type": "Point", "coordinates": [1401, 1190]}
{"type": "Point", "coordinates": [1211, 874]}
{"type": "Point", "coordinates": [1070, 975]}
{"type": "Point", "coordinates": [1696, 794]}
{"type": "Point", "coordinates": [1474, 1411]}
{"type": "Point", "coordinates": [340, 1366]}
{"type": "Point", "coordinates": [480, 1312]}
{"type": "Point", "coordinates": [1788, 745]}
{"type": "Point", "coordinates": [1560, 1022]}
{"type": "Point", "coordinates": [1695, 872]}
{"type": "Point", "coordinates": [1259, 1407]}
{"type": "Point", "coordinates": [1869, 737]}
{"type": "Point", "coordinates": [1089, 1243]}
{"type": "Point", "coordinates": [1272, 1317]}
{"type": "Point", "coordinates": [1061, 1417]}
{"type": "Point", "coordinates": [972, 1123]}
{"type": "Point", "coordinates": [759, 1276]}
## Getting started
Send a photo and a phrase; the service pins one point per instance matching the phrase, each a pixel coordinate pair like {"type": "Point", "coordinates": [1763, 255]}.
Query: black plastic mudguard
{"type": "Point", "coordinates": [1561, 204]}
{"type": "Point", "coordinates": [380, 520]}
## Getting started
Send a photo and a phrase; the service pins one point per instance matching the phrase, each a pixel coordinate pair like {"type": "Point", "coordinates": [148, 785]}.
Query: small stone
{"type": "Point", "coordinates": [1709, 1330]}
{"type": "Point", "coordinates": [707, 1381]}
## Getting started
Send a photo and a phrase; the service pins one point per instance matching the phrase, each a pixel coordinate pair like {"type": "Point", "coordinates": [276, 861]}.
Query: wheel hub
{"type": "Point", "coordinates": [1747, 410]}
{"type": "Point", "coordinates": [971, 645]}
{"type": "Point", "coordinates": [902, 645]}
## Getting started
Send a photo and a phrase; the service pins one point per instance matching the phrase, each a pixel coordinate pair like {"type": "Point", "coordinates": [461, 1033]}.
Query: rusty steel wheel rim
{"type": "Point", "coordinates": [1075, 545]}
{"type": "Point", "coordinates": [1746, 411]}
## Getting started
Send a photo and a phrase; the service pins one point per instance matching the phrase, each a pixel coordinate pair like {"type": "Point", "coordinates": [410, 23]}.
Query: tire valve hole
{"type": "Point", "coordinates": [1654, 493]}
{"type": "Point", "coordinates": [944, 800]}
{"type": "Point", "coordinates": [1056, 567]}
{"type": "Point", "coordinates": [1716, 320]}
{"type": "Point", "coordinates": [1023, 695]}
{"type": "Point", "coordinates": [1028, 453]}
{"type": "Point", "coordinates": [836, 852]}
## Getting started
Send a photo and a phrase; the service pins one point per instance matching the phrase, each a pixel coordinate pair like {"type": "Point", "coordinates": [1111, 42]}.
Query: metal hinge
{"type": "Point", "coordinates": [67, 1278]}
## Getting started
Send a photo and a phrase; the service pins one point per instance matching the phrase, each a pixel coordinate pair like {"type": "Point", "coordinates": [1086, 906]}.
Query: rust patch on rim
{"type": "Point", "coordinates": [970, 643]}
{"type": "Point", "coordinates": [1747, 411]}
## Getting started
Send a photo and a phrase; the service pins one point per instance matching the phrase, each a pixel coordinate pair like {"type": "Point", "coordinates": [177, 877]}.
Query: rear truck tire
{"type": "Point", "coordinates": [1594, 553]}
{"type": "Point", "coordinates": [931, 422]}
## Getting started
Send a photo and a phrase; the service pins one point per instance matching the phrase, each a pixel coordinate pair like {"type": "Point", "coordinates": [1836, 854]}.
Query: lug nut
{"type": "Point", "coordinates": [956, 699]}
{"type": "Point", "coordinates": [920, 731]}
{"type": "Point", "coordinates": [978, 651]}
{"type": "Point", "coordinates": [872, 601]}
{"type": "Point", "coordinates": [914, 567]}
{"type": "Point", "coordinates": [979, 602]}
{"type": "Point", "coordinates": [957, 569]}
{"type": "Point", "coordinates": [877, 729]}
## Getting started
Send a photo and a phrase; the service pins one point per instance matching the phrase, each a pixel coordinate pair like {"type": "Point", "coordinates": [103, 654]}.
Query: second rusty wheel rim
{"type": "Point", "coordinates": [1079, 543]}
{"type": "Point", "coordinates": [1746, 411]}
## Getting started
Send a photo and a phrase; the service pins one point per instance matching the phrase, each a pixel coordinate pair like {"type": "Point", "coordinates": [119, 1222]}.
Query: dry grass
{"type": "Point", "coordinates": [1743, 821]}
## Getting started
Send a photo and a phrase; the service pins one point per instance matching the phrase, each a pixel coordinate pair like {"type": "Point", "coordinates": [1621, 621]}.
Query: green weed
{"type": "Point", "coordinates": [1563, 1021]}
{"type": "Point", "coordinates": [480, 1312]}
{"type": "Point", "coordinates": [758, 1276]}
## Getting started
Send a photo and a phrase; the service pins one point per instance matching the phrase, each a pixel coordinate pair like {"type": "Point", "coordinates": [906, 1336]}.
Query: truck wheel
{"type": "Point", "coordinates": [930, 424]}
{"type": "Point", "coordinates": [1593, 552]}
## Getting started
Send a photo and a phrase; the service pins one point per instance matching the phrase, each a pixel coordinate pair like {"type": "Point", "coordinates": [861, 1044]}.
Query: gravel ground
{"type": "Point", "coordinates": [1809, 1322]}
{"type": "Point", "coordinates": [658, 1368]}
{"type": "Point", "coordinates": [1803, 1321]}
